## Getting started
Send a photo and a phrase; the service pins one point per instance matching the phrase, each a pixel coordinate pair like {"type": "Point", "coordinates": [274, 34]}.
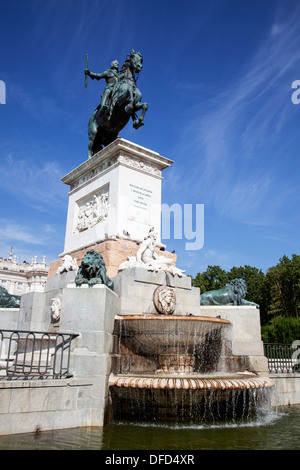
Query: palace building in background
{"type": "Point", "coordinates": [19, 278]}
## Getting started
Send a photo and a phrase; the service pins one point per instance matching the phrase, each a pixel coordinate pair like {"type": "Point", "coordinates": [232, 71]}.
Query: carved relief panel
{"type": "Point", "coordinates": [91, 210]}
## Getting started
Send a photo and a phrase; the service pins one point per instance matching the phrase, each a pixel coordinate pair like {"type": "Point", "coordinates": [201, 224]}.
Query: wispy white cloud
{"type": "Point", "coordinates": [12, 231]}
{"type": "Point", "coordinates": [237, 135]}
{"type": "Point", "coordinates": [36, 185]}
{"type": "Point", "coordinates": [29, 240]}
{"type": "Point", "coordinates": [194, 262]}
{"type": "Point", "coordinates": [37, 102]}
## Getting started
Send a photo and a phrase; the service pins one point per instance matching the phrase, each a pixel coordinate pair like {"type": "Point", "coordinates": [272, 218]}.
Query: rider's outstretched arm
{"type": "Point", "coordinates": [97, 76]}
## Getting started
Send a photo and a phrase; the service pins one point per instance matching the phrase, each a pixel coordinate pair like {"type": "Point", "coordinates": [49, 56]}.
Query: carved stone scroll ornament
{"type": "Point", "coordinates": [164, 299]}
{"type": "Point", "coordinates": [128, 160]}
{"type": "Point", "coordinates": [139, 164]}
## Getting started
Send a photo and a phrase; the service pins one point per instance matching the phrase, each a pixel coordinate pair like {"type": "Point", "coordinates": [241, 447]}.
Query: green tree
{"type": "Point", "coordinates": [277, 293]}
{"type": "Point", "coordinates": [283, 288]}
{"type": "Point", "coordinates": [255, 279]}
{"type": "Point", "coordinates": [213, 278]}
{"type": "Point", "coordinates": [281, 330]}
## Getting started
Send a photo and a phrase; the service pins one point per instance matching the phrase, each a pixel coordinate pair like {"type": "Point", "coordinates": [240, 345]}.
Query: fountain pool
{"type": "Point", "coordinates": [272, 429]}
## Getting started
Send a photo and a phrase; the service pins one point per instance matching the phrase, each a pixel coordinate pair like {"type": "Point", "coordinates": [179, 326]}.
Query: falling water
{"type": "Point", "coordinates": [173, 369]}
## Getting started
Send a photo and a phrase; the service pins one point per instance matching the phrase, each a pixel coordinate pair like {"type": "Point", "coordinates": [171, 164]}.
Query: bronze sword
{"type": "Point", "coordinates": [86, 68]}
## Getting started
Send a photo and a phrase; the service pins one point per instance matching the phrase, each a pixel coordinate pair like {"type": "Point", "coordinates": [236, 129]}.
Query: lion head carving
{"type": "Point", "coordinates": [233, 293]}
{"type": "Point", "coordinates": [93, 271]}
{"type": "Point", "coordinates": [164, 299]}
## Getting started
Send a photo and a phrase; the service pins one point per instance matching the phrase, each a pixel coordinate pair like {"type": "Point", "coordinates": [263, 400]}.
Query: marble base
{"type": "Point", "coordinates": [136, 287]}
{"type": "Point", "coordinates": [116, 192]}
{"type": "Point", "coordinates": [114, 253]}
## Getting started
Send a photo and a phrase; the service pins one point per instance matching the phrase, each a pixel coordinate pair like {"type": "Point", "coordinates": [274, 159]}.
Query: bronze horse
{"type": "Point", "coordinates": [122, 102]}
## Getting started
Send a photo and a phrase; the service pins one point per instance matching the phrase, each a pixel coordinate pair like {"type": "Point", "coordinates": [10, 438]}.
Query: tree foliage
{"type": "Point", "coordinates": [213, 278]}
{"type": "Point", "coordinates": [281, 330]}
{"type": "Point", "coordinates": [277, 292]}
{"type": "Point", "coordinates": [283, 285]}
{"type": "Point", "coordinates": [255, 284]}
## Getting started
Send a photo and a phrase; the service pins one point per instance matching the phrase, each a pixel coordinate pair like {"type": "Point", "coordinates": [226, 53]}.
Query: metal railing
{"type": "Point", "coordinates": [281, 357]}
{"type": "Point", "coordinates": [34, 355]}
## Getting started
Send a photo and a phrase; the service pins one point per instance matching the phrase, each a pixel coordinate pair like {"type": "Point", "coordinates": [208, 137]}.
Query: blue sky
{"type": "Point", "coordinates": [217, 77]}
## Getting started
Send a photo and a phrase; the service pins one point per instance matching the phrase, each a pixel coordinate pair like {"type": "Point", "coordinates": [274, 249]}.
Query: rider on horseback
{"type": "Point", "coordinates": [111, 76]}
{"type": "Point", "coordinates": [120, 100]}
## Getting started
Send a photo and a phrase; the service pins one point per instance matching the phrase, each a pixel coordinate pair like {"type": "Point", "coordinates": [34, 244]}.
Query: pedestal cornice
{"type": "Point", "coordinates": [119, 152]}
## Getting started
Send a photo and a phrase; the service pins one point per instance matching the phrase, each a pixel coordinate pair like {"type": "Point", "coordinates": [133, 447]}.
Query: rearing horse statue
{"type": "Point", "coordinates": [120, 100]}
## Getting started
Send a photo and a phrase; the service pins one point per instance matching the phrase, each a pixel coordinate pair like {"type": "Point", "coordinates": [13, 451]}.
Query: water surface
{"type": "Point", "coordinates": [270, 430]}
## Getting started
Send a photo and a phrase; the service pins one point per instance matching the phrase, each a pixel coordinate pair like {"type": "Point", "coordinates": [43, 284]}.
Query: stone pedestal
{"type": "Point", "coordinates": [245, 338]}
{"type": "Point", "coordinates": [114, 199]}
{"type": "Point", "coordinates": [116, 193]}
{"type": "Point", "coordinates": [114, 253]}
{"type": "Point", "coordinates": [90, 313]}
{"type": "Point", "coordinates": [136, 287]}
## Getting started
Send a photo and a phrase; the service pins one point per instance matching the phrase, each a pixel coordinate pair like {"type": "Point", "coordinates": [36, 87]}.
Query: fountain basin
{"type": "Point", "coordinates": [161, 334]}
{"type": "Point", "coordinates": [199, 399]}
{"type": "Point", "coordinates": [180, 368]}
{"type": "Point", "coordinates": [174, 343]}
{"type": "Point", "coordinates": [231, 382]}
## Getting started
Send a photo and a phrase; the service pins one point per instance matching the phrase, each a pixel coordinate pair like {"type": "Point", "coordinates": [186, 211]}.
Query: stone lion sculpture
{"type": "Point", "coordinates": [8, 300]}
{"type": "Point", "coordinates": [93, 271]}
{"type": "Point", "coordinates": [233, 293]}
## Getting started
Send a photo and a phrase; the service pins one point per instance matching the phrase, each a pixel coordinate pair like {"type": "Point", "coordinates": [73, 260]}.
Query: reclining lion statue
{"type": "Point", "coordinates": [93, 271]}
{"type": "Point", "coordinates": [233, 293]}
{"type": "Point", "coordinates": [8, 300]}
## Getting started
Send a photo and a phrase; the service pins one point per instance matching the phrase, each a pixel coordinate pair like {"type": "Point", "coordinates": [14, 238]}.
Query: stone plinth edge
{"type": "Point", "coordinates": [122, 150]}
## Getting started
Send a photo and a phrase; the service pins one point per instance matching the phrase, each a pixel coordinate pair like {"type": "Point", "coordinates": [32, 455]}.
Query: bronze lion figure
{"type": "Point", "coordinates": [233, 293]}
{"type": "Point", "coordinates": [93, 271]}
{"type": "Point", "coordinates": [8, 300]}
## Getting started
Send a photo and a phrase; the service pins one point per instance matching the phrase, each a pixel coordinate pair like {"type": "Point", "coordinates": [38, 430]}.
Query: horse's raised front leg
{"type": "Point", "coordinates": [92, 131]}
{"type": "Point", "coordinates": [138, 121]}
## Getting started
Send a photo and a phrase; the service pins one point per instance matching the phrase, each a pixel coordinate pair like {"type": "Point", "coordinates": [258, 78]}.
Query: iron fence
{"type": "Point", "coordinates": [34, 354]}
{"type": "Point", "coordinates": [281, 357]}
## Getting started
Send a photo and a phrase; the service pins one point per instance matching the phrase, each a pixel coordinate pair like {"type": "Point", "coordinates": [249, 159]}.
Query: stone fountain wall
{"type": "Point", "coordinates": [82, 398]}
{"type": "Point", "coordinates": [245, 338]}
{"type": "Point", "coordinates": [94, 313]}
{"type": "Point", "coordinates": [136, 287]}
{"type": "Point", "coordinates": [242, 348]}
{"type": "Point", "coordinates": [193, 363]}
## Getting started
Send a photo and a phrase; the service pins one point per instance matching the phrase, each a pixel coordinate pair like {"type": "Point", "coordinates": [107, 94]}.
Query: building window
{"type": "Point", "coordinates": [3, 284]}
{"type": "Point", "coordinates": [20, 286]}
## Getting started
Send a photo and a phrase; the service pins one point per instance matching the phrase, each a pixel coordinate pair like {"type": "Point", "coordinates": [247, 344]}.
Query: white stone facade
{"type": "Point", "coordinates": [20, 278]}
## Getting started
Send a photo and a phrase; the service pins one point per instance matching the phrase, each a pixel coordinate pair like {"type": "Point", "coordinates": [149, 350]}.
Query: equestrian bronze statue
{"type": "Point", "coordinates": [120, 100]}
